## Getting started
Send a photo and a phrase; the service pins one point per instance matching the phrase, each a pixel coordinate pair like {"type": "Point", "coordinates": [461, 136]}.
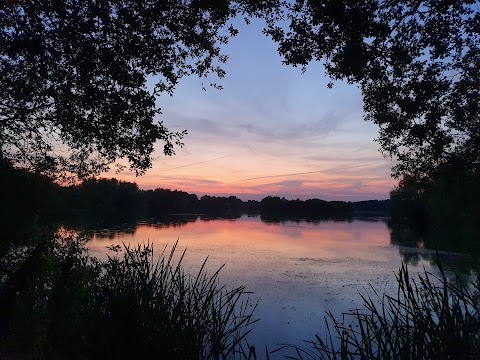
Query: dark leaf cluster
{"type": "Point", "coordinates": [73, 77]}
{"type": "Point", "coordinates": [416, 63]}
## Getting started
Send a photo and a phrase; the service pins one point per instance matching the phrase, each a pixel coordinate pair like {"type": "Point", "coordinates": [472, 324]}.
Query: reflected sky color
{"type": "Point", "coordinates": [270, 131]}
{"type": "Point", "coordinates": [296, 271]}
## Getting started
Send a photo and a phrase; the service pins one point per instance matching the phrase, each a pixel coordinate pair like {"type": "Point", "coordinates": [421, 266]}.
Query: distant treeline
{"type": "Point", "coordinates": [444, 218]}
{"type": "Point", "coordinates": [111, 195]}
{"type": "Point", "coordinates": [278, 209]}
{"type": "Point", "coordinates": [32, 197]}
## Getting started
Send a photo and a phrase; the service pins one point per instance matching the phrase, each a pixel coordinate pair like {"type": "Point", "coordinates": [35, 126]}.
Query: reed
{"type": "Point", "coordinates": [430, 317]}
{"type": "Point", "coordinates": [132, 305]}
{"type": "Point", "coordinates": [135, 305]}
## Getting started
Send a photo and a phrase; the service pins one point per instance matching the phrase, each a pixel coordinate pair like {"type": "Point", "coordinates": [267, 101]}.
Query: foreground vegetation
{"type": "Point", "coordinates": [74, 74]}
{"type": "Point", "coordinates": [60, 302]}
{"type": "Point", "coordinates": [429, 318]}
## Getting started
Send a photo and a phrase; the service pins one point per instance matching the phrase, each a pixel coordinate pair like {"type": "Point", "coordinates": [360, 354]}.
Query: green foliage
{"type": "Point", "coordinates": [230, 207]}
{"type": "Point", "coordinates": [104, 202]}
{"type": "Point", "coordinates": [416, 63]}
{"type": "Point", "coordinates": [30, 203]}
{"type": "Point", "coordinates": [455, 199]}
{"type": "Point", "coordinates": [443, 214]}
{"type": "Point", "coordinates": [164, 202]}
{"type": "Point", "coordinates": [73, 94]}
{"type": "Point", "coordinates": [431, 318]}
{"type": "Point", "coordinates": [27, 195]}
{"type": "Point", "coordinates": [372, 207]}
{"type": "Point", "coordinates": [275, 208]}
{"type": "Point", "coordinates": [408, 205]}
{"type": "Point", "coordinates": [128, 306]}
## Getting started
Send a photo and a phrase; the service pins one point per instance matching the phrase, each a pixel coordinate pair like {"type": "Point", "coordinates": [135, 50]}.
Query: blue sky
{"type": "Point", "coordinates": [270, 131]}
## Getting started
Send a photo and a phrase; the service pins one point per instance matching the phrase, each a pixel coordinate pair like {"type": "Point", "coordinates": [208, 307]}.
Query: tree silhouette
{"type": "Point", "coordinates": [73, 94]}
{"type": "Point", "coordinates": [416, 63]}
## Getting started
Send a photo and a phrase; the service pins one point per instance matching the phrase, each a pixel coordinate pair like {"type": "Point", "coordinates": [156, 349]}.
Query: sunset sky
{"type": "Point", "coordinates": [270, 131]}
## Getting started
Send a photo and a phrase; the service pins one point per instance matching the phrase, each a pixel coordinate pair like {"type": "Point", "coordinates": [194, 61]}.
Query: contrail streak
{"type": "Point", "coordinates": [302, 173]}
{"type": "Point", "coordinates": [199, 162]}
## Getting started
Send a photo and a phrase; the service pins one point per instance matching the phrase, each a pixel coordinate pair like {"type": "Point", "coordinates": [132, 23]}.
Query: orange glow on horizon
{"type": "Point", "coordinates": [334, 188]}
{"type": "Point", "coordinates": [271, 170]}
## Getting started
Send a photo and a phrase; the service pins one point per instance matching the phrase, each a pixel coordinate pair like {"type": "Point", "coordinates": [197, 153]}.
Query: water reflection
{"type": "Point", "coordinates": [296, 269]}
{"type": "Point", "coordinates": [448, 238]}
{"type": "Point", "coordinates": [330, 239]}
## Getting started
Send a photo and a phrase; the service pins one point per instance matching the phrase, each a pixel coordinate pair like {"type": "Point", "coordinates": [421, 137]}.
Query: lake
{"type": "Point", "coordinates": [296, 270]}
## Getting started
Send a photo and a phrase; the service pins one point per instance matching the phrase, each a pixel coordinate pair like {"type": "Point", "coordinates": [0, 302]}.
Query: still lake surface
{"type": "Point", "coordinates": [296, 270]}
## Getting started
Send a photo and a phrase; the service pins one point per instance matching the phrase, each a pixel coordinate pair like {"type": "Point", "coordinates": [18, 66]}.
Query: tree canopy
{"type": "Point", "coordinates": [73, 76]}
{"type": "Point", "coordinates": [417, 64]}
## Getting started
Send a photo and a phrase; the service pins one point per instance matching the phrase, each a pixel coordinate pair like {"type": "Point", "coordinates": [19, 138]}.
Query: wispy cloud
{"type": "Point", "coordinates": [300, 173]}
{"type": "Point", "coordinates": [270, 131]}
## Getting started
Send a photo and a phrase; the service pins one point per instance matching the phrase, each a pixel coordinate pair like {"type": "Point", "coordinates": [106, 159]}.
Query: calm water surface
{"type": "Point", "coordinates": [296, 270]}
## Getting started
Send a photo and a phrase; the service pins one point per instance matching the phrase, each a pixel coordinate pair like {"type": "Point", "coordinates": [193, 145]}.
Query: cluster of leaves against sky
{"type": "Point", "coordinates": [73, 77]}
{"type": "Point", "coordinates": [73, 96]}
{"type": "Point", "coordinates": [416, 63]}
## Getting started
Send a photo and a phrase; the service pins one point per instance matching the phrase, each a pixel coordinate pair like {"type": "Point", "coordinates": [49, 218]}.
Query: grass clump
{"type": "Point", "coordinates": [429, 318]}
{"type": "Point", "coordinates": [129, 306]}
